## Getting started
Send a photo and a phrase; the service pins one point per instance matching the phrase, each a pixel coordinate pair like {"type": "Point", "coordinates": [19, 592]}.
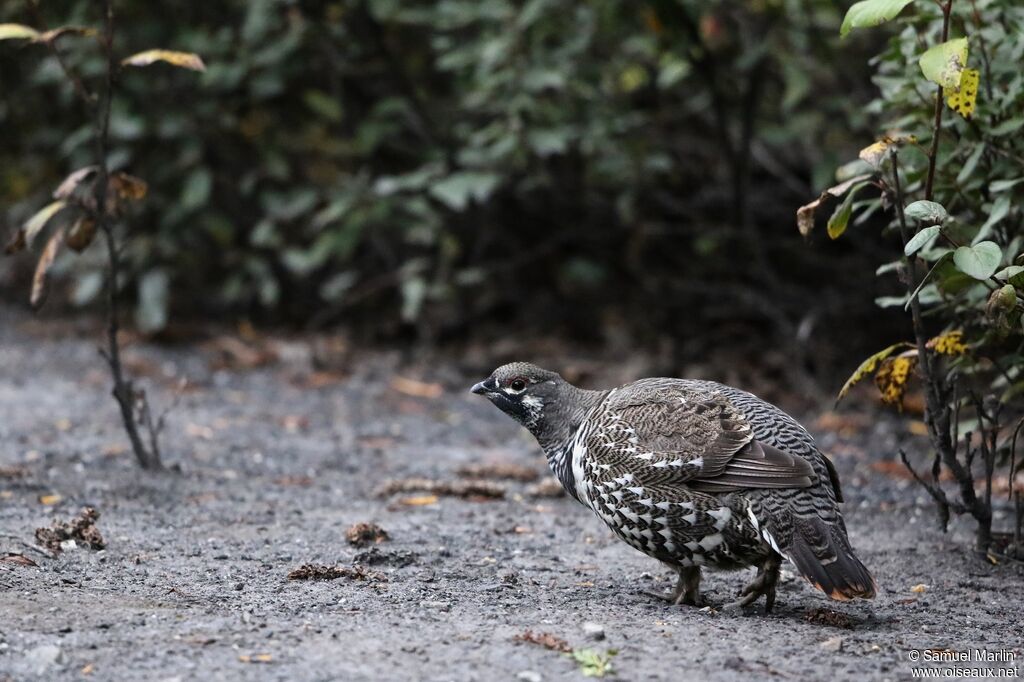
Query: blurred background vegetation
{"type": "Point", "coordinates": [622, 173]}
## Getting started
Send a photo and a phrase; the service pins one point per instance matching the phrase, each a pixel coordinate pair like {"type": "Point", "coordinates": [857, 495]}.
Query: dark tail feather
{"type": "Point", "coordinates": [838, 572]}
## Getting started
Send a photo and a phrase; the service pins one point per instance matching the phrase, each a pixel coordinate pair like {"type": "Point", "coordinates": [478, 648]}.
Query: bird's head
{"type": "Point", "coordinates": [523, 392]}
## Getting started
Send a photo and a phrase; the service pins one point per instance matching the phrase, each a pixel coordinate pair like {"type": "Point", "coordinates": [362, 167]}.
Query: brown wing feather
{"type": "Point", "coordinates": [709, 436]}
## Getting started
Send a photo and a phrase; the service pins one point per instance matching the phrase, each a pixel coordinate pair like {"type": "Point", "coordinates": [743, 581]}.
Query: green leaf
{"type": "Point", "coordinates": [871, 13]}
{"type": "Point", "coordinates": [944, 63]}
{"type": "Point", "coordinates": [920, 285]}
{"type": "Point", "coordinates": [841, 217]}
{"type": "Point", "coordinates": [970, 164]}
{"type": "Point", "coordinates": [920, 240]}
{"type": "Point", "coordinates": [17, 32]}
{"type": "Point", "coordinates": [1000, 209]}
{"type": "Point", "coordinates": [458, 189]}
{"type": "Point", "coordinates": [1003, 185]}
{"type": "Point", "coordinates": [151, 310]}
{"type": "Point", "coordinates": [979, 261]}
{"type": "Point", "coordinates": [1013, 274]}
{"type": "Point", "coordinates": [926, 212]}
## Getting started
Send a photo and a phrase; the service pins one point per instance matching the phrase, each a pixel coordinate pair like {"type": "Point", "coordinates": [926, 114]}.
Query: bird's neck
{"type": "Point", "coordinates": [562, 420]}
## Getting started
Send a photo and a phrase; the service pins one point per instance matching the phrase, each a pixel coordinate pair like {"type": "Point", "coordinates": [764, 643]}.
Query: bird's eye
{"type": "Point", "coordinates": [517, 385]}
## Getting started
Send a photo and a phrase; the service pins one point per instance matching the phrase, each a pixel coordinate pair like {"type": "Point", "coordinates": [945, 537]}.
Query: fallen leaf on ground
{"type": "Point", "coordinates": [82, 528]}
{"type": "Point", "coordinates": [255, 658]}
{"type": "Point", "coordinates": [499, 470]}
{"type": "Point", "coordinates": [51, 499]}
{"type": "Point", "coordinates": [322, 572]}
{"type": "Point", "coordinates": [362, 534]}
{"type": "Point", "coordinates": [87, 669]}
{"type": "Point", "coordinates": [419, 500]}
{"type": "Point", "coordinates": [544, 639]}
{"type": "Point", "coordinates": [18, 560]}
{"type": "Point", "coordinates": [415, 388]}
{"type": "Point", "coordinates": [548, 487]}
{"type": "Point", "coordinates": [919, 588]}
{"type": "Point", "coordinates": [486, 489]}
{"type": "Point", "coordinates": [593, 663]}
{"type": "Point", "coordinates": [824, 616]}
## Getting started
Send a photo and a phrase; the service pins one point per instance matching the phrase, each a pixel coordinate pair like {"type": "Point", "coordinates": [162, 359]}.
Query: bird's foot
{"type": "Point", "coordinates": [687, 590]}
{"type": "Point", "coordinates": [687, 598]}
{"type": "Point", "coordinates": [763, 584]}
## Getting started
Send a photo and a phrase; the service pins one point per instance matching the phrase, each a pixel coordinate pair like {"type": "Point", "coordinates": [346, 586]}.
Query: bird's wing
{"type": "Point", "coordinates": [671, 435]}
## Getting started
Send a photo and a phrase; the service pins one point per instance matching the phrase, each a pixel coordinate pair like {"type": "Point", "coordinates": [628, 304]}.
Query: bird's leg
{"type": "Point", "coordinates": [687, 590]}
{"type": "Point", "coordinates": [763, 583]}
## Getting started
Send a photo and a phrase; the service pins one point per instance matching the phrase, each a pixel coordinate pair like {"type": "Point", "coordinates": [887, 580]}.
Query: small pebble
{"type": "Point", "coordinates": [529, 676]}
{"type": "Point", "coordinates": [833, 644]}
{"type": "Point", "coordinates": [593, 630]}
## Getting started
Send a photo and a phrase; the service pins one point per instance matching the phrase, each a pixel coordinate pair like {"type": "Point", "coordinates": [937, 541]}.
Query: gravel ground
{"type": "Point", "coordinates": [271, 465]}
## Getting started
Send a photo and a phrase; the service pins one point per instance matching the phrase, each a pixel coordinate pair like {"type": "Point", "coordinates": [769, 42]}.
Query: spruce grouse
{"type": "Point", "coordinates": [692, 473]}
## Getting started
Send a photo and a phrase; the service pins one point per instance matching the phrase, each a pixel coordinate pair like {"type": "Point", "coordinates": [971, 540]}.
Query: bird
{"type": "Point", "coordinates": [693, 473]}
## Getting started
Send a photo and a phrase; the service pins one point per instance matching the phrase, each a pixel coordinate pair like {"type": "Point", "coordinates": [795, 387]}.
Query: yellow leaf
{"type": "Point", "coordinates": [37, 222]}
{"type": "Point", "coordinates": [963, 98]}
{"type": "Point", "coordinates": [919, 588]}
{"type": "Point", "coordinates": [40, 279]}
{"type": "Point", "coordinates": [50, 500]}
{"type": "Point", "coordinates": [17, 32]}
{"type": "Point", "coordinates": [868, 367]}
{"type": "Point", "coordinates": [56, 33]}
{"type": "Point", "coordinates": [186, 60]}
{"type": "Point", "coordinates": [874, 154]}
{"type": "Point", "coordinates": [256, 658]}
{"type": "Point", "coordinates": [948, 343]}
{"type": "Point", "coordinates": [419, 500]}
{"type": "Point", "coordinates": [891, 378]}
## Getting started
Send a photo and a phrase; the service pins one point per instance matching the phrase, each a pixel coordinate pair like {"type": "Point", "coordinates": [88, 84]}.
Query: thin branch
{"type": "Point", "coordinates": [937, 125]}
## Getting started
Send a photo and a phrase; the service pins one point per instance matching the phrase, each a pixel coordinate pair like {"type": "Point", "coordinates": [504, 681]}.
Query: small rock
{"type": "Point", "coordinates": [439, 605]}
{"type": "Point", "coordinates": [833, 644]}
{"type": "Point", "coordinates": [529, 676]}
{"type": "Point", "coordinates": [593, 630]}
{"type": "Point", "coordinates": [44, 657]}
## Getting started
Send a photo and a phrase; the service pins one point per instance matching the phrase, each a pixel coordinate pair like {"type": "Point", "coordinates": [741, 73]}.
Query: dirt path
{"type": "Point", "coordinates": [275, 464]}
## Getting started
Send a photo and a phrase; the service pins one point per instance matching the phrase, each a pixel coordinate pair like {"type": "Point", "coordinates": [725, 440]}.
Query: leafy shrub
{"type": "Point", "coordinates": [949, 171]}
{"type": "Point", "coordinates": [437, 161]}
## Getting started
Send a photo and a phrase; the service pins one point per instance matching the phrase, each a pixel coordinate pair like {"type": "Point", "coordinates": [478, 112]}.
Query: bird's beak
{"type": "Point", "coordinates": [482, 387]}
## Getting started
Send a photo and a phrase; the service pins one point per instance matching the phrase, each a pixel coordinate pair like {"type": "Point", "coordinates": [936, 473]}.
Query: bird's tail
{"type": "Point", "coordinates": [825, 558]}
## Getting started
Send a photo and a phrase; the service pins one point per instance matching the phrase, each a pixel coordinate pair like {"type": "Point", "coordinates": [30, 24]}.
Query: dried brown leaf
{"type": "Point", "coordinates": [81, 234]}
{"type": "Point", "coordinates": [362, 534]}
{"type": "Point", "coordinates": [544, 639]}
{"type": "Point", "coordinates": [82, 529]}
{"type": "Point", "coordinates": [16, 243]}
{"type": "Point", "coordinates": [415, 388]}
{"type": "Point", "coordinates": [38, 221]}
{"type": "Point", "coordinates": [66, 188]}
{"type": "Point", "coordinates": [40, 280]}
{"type": "Point", "coordinates": [487, 489]}
{"type": "Point", "coordinates": [18, 560]}
{"type": "Point", "coordinates": [499, 470]}
{"type": "Point", "coordinates": [323, 572]}
{"type": "Point", "coordinates": [805, 214]}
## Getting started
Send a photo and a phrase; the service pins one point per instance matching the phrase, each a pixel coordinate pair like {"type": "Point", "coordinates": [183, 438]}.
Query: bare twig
{"type": "Point", "coordinates": [124, 391]}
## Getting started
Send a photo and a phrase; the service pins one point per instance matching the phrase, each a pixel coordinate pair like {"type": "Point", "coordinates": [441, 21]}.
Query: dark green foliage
{"type": "Point", "coordinates": [433, 162]}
